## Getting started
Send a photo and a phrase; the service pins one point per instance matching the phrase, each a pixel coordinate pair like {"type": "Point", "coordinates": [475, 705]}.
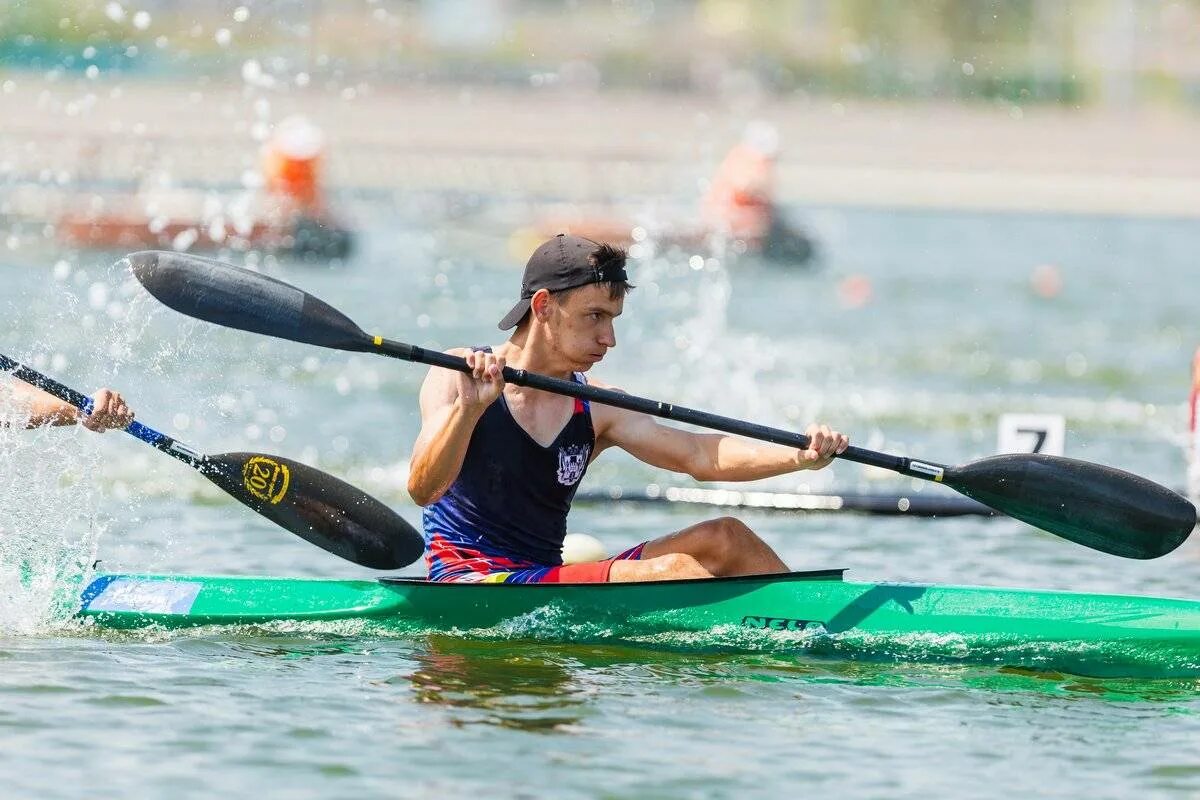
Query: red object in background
{"type": "Point", "coordinates": [296, 179]}
{"type": "Point", "coordinates": [1195, 402]}
{"type": "Point", "coordinates": [1193, 487]}
{"type": "Point", "coordinates": [740, 197]}
{"type": "Point", "coordinates": [292, 165]}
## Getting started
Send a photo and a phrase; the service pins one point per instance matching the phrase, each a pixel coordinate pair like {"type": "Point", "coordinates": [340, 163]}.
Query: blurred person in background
{"type": "Point", "coordinates": [30, 407]}
{"type": "Point", "coordinates": [292, 169]}
{"type": "Point", "coordinates": [740, 201]}
{"type": "Point", "coordinates": [295, 202]}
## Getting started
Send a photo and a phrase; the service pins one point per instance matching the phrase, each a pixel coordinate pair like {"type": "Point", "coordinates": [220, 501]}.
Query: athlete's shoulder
{"type": "Point", "coordinates": [604, 416]}
{"type": "Point", "coordinates": [592, 380]}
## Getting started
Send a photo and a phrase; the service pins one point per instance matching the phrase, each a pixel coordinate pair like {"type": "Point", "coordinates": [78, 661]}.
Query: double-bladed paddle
{"type": "Point", "coordinates": [315, 506]}
{"type": "Point", "coordinates": [1096, 506]}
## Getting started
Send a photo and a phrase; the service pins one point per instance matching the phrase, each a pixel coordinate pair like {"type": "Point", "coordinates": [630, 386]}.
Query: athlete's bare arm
{"type": "Point", "coordinates": [451, 404]}
{"type": "Point", "coordinates": [109, 410]}
{"type": "Point", "coordinates": [709, 456]}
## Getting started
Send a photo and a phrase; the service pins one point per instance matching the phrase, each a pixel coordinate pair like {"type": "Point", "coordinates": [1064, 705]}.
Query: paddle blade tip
{"type": "Point", "coordinates": [323, 510]}
{"type": "Point", "coordinates": [143, 265]}
{"type": "Point", "coordinates": [243, 299]}
{"type": "Point", "coordinates": [1100, 507]}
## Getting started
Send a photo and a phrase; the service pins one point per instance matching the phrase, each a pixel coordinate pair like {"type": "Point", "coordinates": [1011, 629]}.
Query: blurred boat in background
{"type": "Point", "coordinates": [738, 212]}
{"type": "Point", "coordinates": [289, 215]}
{"type": "Point", "coordinates": [784, 243]}
{"type": "Point", "coordinates": [301, 236]}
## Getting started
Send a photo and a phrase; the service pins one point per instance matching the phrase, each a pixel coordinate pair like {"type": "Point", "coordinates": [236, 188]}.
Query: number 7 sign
{"type": "Point", "coordinates": [1031, 433]}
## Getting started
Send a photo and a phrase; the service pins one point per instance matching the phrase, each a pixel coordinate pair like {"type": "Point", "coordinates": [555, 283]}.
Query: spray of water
{"type": "Point", "coordinates": [57, 485]}
{"type": "Point", "coordinates": [50, 520]}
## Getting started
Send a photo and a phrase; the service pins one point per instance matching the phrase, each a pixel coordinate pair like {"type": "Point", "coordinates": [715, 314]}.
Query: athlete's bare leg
{"type": "Point", "coordinates": [716, 548]}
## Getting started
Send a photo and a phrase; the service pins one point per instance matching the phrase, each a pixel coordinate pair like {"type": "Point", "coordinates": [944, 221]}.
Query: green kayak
{"type": "Point", "coordinates": [818, 612]}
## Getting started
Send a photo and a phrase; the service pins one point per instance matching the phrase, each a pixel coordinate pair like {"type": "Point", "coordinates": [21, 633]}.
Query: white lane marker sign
{"type": "Point", "coordinates": [1031, 433]}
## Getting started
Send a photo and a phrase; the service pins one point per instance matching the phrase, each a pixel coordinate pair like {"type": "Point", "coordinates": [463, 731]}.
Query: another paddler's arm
{"type": "Point", "coordinates": [711, 456]}
{"type": "Point", "coordinates": [451, 405]}
{"type": "Point", "coordinates": [110, 410]}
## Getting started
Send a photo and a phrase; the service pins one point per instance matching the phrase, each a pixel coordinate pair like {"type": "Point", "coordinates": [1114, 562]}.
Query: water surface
{"type": "Point", "coordinates": [954, 335]}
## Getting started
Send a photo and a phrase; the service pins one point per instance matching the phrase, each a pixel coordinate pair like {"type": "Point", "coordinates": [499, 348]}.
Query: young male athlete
{"type": "Point", "coordinates": [33, 408]}
{"type": "Point", "coordinates": [496, 466]}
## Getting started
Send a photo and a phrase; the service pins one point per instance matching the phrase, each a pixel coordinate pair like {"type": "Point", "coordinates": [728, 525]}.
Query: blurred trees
{"type": "Point", "coordinates": [1018, 51]}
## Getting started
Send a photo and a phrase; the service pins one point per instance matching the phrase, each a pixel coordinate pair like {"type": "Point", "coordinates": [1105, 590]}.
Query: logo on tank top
{"type": "Point", "coordinates": [572, 461]}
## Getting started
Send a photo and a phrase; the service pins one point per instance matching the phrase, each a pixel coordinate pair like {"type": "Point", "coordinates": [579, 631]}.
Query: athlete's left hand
{"type": "Point", "coordinates": [109, 412]}
{"type": "Point", "coordinates": [823, 444]}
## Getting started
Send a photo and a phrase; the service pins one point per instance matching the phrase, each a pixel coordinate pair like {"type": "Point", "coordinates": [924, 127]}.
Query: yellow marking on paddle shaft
{"type": "Point", "coordinates": [379, 341]}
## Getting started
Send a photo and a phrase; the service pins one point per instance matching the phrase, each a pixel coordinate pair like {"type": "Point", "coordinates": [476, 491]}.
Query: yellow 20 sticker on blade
{"type": "Point", "coordinates": [266, 479]}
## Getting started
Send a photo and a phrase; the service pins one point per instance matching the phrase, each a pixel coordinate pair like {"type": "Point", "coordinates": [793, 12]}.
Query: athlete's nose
{"type": "Point", "coordinates": [608, 335]}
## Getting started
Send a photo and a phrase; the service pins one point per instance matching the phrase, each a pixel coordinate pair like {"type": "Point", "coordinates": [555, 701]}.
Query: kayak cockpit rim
{"type": "Point", "coordinates": [775, 577]}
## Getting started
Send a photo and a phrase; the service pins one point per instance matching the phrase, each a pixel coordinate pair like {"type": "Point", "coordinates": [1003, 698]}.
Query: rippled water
{"type": "Point", "coordinates": [953, 335]}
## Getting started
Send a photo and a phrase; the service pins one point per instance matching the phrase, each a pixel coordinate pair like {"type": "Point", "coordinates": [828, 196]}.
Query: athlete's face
{"type": "Point", "coordinates": [581, 324]}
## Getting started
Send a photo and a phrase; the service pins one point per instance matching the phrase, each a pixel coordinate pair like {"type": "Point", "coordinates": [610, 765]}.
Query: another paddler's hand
{"type": "Point", "coordinates": [109, 412]}
{"type": "Point", "coordinates": [480, 389]}
{"type": "Point", "coordinates": [823, 444]}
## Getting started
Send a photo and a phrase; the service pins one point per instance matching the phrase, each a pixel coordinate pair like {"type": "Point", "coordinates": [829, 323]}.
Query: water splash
{"type": "Point", "coordinates": [50, 522]}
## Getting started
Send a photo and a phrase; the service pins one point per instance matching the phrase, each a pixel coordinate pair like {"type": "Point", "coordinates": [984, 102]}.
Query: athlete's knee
{"type": "Point", "coordinates": [733, 527]}
{"type": "Point", "coordinates": [730, 536]}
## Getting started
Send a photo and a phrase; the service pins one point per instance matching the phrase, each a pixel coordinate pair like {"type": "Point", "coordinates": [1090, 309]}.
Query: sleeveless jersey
{"type": "Point", "coordinates": [508, 506]}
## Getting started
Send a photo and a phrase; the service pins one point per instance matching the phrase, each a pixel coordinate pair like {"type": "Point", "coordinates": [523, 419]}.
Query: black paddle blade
{"type": "Point", "coordinates": [318, 507]}
{"type": "Point", "coordinates": [1096, 506]}
{"type": "Point", "coordinates": [238, 298]}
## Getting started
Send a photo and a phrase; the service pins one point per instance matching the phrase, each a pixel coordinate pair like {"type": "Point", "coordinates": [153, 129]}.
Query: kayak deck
{"type": "Point", "coordinates": [816, 610]}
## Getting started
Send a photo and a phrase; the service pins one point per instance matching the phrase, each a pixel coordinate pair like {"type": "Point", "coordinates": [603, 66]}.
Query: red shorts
{"type": "Point", "coordinates": [458, 564]}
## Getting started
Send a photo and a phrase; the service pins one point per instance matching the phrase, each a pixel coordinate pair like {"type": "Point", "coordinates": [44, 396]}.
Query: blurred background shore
{"type": "Point", "coordinates": [1072, 105]}
{"type": "Point", "coordinates": [601, 146]}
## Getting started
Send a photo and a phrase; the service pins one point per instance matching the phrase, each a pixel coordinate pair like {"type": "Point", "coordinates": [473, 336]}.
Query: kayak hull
{"type": "Point", "coordinates": [815, 610]}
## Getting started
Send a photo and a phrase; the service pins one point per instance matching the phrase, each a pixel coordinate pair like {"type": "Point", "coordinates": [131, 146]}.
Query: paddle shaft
{"type": "Point", "coordinates": [84, 403]}
{"type": "Point", "coordinates": [1099, 507]}
{"type": "Point", "coordinates": [519, 377]}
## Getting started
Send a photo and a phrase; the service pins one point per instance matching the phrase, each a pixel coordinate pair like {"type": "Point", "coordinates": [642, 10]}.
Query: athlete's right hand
{"type": "Point", "coordinates": [480, 388]}
{"type": "Point", "coordinates": [109, 412]}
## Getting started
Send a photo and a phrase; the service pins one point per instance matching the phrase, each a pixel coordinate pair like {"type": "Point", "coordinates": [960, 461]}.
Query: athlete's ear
{"type": "Point", "coordinates": [540, 304]}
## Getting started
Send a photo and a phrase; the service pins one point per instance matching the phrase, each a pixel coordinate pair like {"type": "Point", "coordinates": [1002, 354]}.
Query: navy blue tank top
{"type": "Point", "coordinates": [511, 497]}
